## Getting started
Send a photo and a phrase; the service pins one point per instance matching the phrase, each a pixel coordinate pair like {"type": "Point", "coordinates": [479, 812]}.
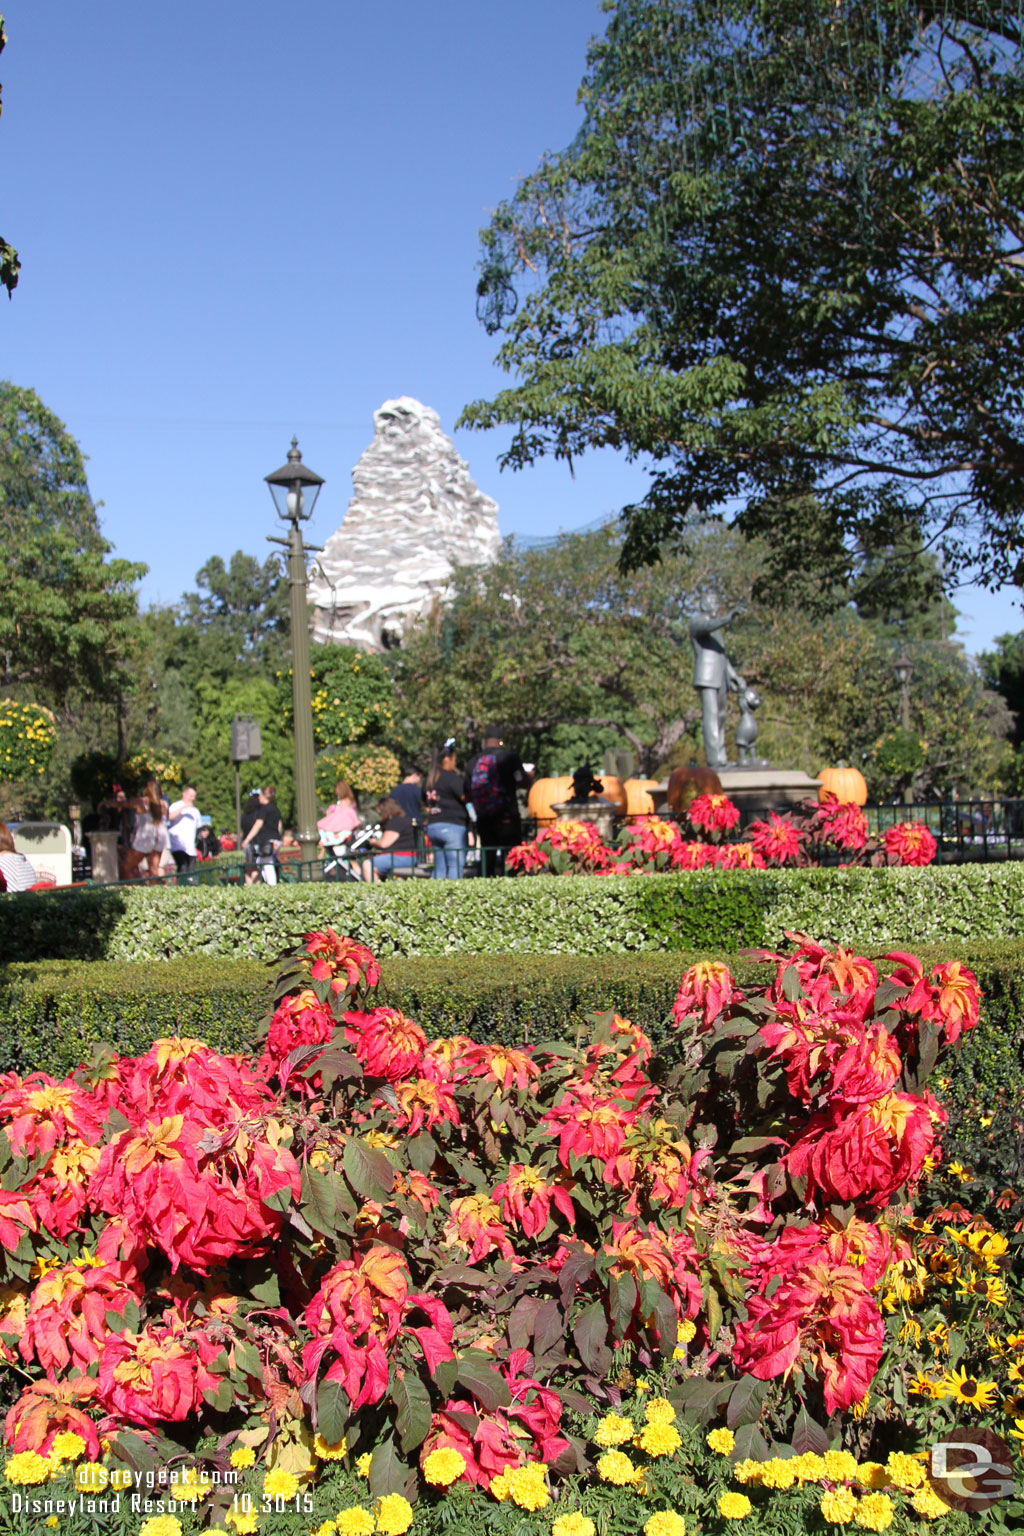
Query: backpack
{"type": "Point", "coordinates": [485, 787]}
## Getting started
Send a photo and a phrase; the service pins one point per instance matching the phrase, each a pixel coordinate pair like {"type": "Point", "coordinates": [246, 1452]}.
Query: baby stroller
{"type": "Point", "coordinates": [342, 861]}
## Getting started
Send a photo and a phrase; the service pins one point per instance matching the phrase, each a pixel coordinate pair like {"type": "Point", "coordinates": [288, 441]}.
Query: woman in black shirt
{"type": "Point", "coordinates": [445, 818]}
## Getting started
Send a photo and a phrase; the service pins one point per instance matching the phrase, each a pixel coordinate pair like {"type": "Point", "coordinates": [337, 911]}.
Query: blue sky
{"type": "Point", "coordinates": [239, 221]}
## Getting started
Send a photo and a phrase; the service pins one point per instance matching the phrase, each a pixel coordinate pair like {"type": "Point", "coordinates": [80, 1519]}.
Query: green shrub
{"type": "Point", "coordinates": [618, 915]}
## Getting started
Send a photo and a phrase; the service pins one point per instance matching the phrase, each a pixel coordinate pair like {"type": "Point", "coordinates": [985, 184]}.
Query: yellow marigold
{"type": "Point", "coordinates": [27, 1467]}
{"type": "Point", "coordinates": [244, 1521]}
{"type": "Point", "coordinates": [613, 1431]}
{"type": "Point", "coordinates": [778, 1472]}
{"type": "Point", "coordinates": [394, 1514]}
{"type": "Point", "coordinates": [840, 1466]}
{"type": "Point", "coordinates": [245, 1456]}
{"type": "Point", "coordinates": [927, 1503]}
{"type": "Point", "coordinates": [330, 1452]}
{"type": "Point", "coordinates": [574, 1524]}
{"type": "Point", "coordinates": [665, 1523]}
{"type": "Point", "coordinates": [747, 1471]}
{"type": "Point", "coordinates": [660, 1411]}
{"type": "Point", "coordinates": [444, 1466]}
{"type": "Point", "coordinates": [67, 1445]}
{"type": "Point", "coordinates": [53, 1521]}
{"type": "Point", "coordinates": [329, 1528]}
{"type": "Point", "coordinates": [838, 1506]}
{"type": "Point", "coordinates": [91, 1477]}
{"type": "Point", "coordinates": [615, 1467]}
{"type": "Point", "coordinates": [363, 1463]}
{"type": "Point", "coordinates": [809, 1467]}
{"type": "Point", "coordinates": [501, 1485]}
{"type": "Point", "coordinates": [873, 1475]}
{"type": "Point", "coordinates": [528, 1487]}
{"type": "Point", "coordinates": [721, 1440]}
{"type": "Point", "coordinates": [279, 1484]}
{"type": "Point", "coordinates": [160, 1525]}
{"type": "Point", "coordinates": [687, 1331]}
{"type": "Point", "coordinates": [354, 1521]}
{"type": "Point", "coordinates": [734, 1506]}
{"type": "Point", "coordinates": [875, 1512]}
{"type": "Point", "coordinates": [658, 1440]}
{"type": "Point", "coordinates": [906, 1471]}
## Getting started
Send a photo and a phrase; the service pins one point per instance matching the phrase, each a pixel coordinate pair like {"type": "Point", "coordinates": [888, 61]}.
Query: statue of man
{"type": "Point", "coordinates": [711, 678]}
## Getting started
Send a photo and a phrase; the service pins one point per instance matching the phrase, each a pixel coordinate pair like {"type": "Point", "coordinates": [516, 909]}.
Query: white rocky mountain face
{"type": "Point", "coordinates": [414, 515]}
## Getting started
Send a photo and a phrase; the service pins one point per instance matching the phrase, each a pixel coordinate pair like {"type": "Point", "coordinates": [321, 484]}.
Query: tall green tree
{"type": "Point", "coordinates": [67, 609]}
{"type": "Point", "coordinates": [238, 618]}
{"type": "Point", "coordinates": [783, 263]}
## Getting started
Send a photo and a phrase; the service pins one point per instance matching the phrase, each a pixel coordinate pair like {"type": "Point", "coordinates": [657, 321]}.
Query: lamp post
{"type": "Point", "coordinates": [295, 489]}
{"type": "Point", "coordinates": [903, 667]}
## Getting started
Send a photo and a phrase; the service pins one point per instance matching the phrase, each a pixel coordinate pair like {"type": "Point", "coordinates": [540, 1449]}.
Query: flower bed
{"type": "Point", "coordinates": [374, 1268]}
{"type": "Point", "coordinates": [815, 834]}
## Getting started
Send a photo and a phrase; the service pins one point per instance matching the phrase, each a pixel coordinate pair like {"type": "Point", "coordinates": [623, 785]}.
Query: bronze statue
{"type": "Point", "coordinates": [711, 678]}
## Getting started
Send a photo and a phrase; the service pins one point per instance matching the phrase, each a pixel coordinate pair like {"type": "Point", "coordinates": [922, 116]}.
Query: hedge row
{"type": "Point", "coordinates": [55, 1013]}
{"type": "Point", "coordinates": [544, 915]}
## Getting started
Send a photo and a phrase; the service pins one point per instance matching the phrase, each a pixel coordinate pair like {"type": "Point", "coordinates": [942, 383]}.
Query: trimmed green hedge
{"type": "Point", "coordinates": [55, 1012]}
{"type": "Point", "coordinates": [544, 915]}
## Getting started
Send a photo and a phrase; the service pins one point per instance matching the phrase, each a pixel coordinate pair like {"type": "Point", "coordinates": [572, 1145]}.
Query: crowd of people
{"type": "Point", "coordinates": [459, 821]}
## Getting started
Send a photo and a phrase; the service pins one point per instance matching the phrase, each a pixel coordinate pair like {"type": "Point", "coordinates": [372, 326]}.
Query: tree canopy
{"type": "Point", "coordinates": [783, 263]}
{"type": "Point", "coordinates": [66, 609]}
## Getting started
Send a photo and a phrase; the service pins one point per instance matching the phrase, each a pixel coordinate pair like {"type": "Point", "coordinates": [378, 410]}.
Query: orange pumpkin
{"type": "Point", "coordinates": [545, 793]}
{"type": "Point", "coordinates": [847, 784]}
{"type": "Point", "coordinates": [638, 798]}
{"type": "Point", "coordinates": [685, 784]}
{"type": "Point", "coordinates": [612, 791]}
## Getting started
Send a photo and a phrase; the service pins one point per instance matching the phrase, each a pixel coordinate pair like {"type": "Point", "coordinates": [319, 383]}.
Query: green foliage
{"type": "Point", "coordinates": [595, 916]}
{"type": "Point", "coordinates": [352, 696]}
{"type": "Point", "coordinates": [209, 763]}
{"type": "Point", "coordinates": [28, 733]}
{"type": "Point", "coordinates": [367, 768]}
{"type": "Point", "coordinates": [238, 619]}
{"type": "Point", "coordinates": [66, 620]}
{"type": "Point", "coordinates": [837, 366]}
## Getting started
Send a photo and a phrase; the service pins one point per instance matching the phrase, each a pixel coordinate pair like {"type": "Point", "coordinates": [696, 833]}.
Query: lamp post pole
{"type": "Point", "coordinates": [903, 667]}
{"type": "Point", "coordinates": [295, 489]}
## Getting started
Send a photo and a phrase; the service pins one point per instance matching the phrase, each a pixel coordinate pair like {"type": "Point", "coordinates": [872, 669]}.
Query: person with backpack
{"type": "Point", "coordinates": [492, 778]}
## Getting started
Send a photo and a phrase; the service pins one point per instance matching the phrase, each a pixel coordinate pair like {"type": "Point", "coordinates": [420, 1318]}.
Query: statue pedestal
{"type": "Point", "coordinates": [768, 788]}
{"type": "Point", "coordinates": [103, 846]}
{"type": "Point", "coordinates": [601, 812]}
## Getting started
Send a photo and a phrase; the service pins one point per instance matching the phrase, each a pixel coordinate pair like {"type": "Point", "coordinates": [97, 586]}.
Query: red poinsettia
{"type": "Point", "coordinates": [713, 813]}
{"type": "Point", "coordinates": [911, 843]}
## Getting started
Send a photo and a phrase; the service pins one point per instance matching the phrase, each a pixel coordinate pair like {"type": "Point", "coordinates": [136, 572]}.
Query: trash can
{"type": "Point", "coordinates": [105, 868]}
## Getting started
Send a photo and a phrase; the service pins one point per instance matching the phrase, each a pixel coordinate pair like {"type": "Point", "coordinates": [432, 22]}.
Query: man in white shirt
{"type": "Point", "coordinates": [183, 824]}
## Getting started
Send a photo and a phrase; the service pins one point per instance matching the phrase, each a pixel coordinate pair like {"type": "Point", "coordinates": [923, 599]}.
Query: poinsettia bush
{"type": "Point", "coordinates": [813, 834]}
{"type": "Point", "coordinates": [430, 1260]}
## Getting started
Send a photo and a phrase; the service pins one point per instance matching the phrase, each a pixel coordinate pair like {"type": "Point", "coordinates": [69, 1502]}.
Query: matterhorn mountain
{"type": "Point", "coordinates": [415, 514]}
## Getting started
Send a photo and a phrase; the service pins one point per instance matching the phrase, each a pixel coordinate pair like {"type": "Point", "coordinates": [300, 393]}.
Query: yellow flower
{"type": "Point", "coordinates": [659, 1411]}
{"type": "Point", "coordinates": [575, 1524]}
{"type": "Point", "coordinates": [67, 1445]}
{"type": "Point", "coordinates": [27, 1467]}
{"type": "Point", "coordinates": [658, 1439]}
{"type": "Point", "coordinates": [873, 1475]}
{"type": "Point", "coordinates": [778, 1472]}
{"type": "Point", "coordinates": [924, 1386]}
{"type": "Point", "coordinates": [528, 1487]}
{"type": "Point", "coordinates": [160, 1525]}
{"type": "Point", "coordinates": [875, 1512]}
{"type": "Point", "coordinates": [443, 1466]}
{"type": "Point", "coordinates": [91, 1477]}
{"type": "Point", "coordinates": [613, 1431]}
{"type": "Point", "coordinates": [327, 1452]}
{"type": "Point", "coordinates": [52, 1521]}
{"type": "Point", "coordinates": [840, 1466]}
{"type": "Point", "coordinates": [809, 1467]}
{"type": "Point", "coordinates": [927, 1503]}
{"type": "Point", "coordinates": [394, 1514]}
{"type": "Point", "coordinates": [615, 1467]}
{"type": "Point", "coordinates": [501, 1485]}
{"type": "Point", "coordinates": [329, 1528]}
{"type": "Point", "coordinates": [354, 1521]}
{"type": "Point", "coordinates": [721, 1440]}
{"type": "Point", "coordinates": [967, 1389]}
{"type": "Point", "coordinates": [665, 1523]}
{"type": "Point", "coordinates": [905, 1471]}
{"type": "Point", "coordinates": [838, 1506]}
{"type": "Point", "coordinates": [734, 1506]}
{"type": "Point", "coordinates": [279, 1484]}
{"type": "Point", "coordinates": [747, 1471]}
{"type": "Point", "coordinates": [245, 1456]}
{"type": "Point", "coordinates": [243, 1520]}
{"type": "Point", "coordinates": [363, 1463]}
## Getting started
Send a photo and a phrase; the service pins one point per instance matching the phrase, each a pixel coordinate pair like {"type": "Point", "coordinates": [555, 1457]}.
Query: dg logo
{"type": "Point", "coordinates": [972, 1469]}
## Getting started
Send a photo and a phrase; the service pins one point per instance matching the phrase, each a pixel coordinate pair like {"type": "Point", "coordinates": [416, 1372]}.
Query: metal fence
{"type": "Point", "coordinates": [966, 831]}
